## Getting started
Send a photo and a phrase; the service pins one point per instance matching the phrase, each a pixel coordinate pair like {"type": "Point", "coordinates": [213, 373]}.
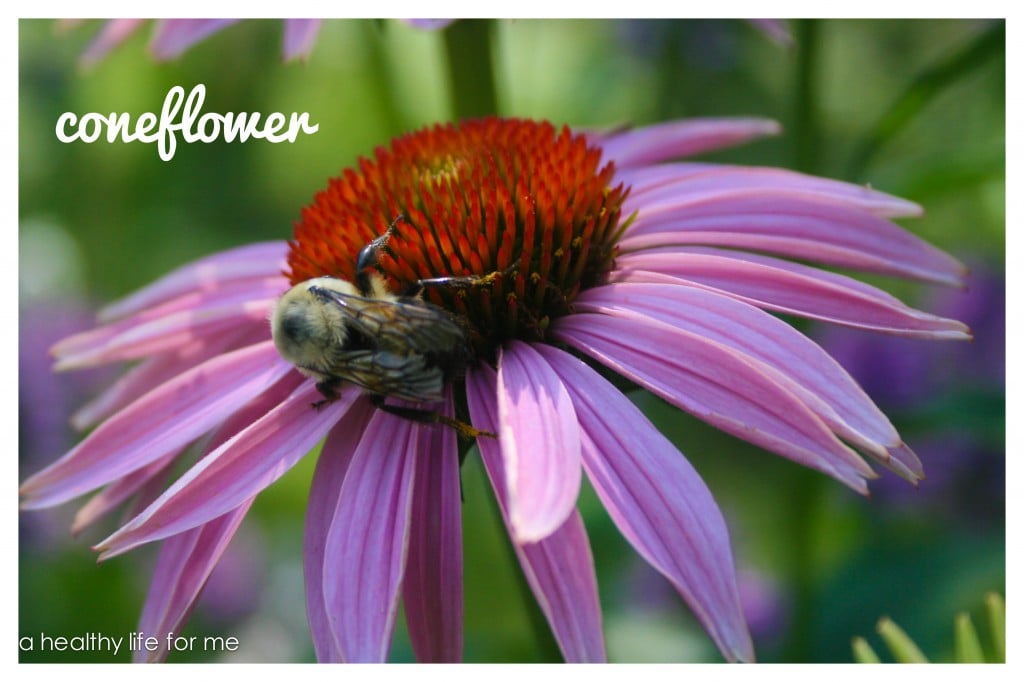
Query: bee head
{"type": "Point", "coordinates": [304, 326]}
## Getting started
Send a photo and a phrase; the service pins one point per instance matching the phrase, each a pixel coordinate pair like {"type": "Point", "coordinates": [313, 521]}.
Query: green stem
{"type": "Point", "coordinates": [384, 83]}
{"type": "Point", "coordinates": [471, 68]}
{"type": "Point", "coordinates": [544, 638]}
{"type": "Point", "coordinates": [805, 115]}
{"type": "Point", "coordinates": [808, 484]}
{"type": "Point", "coordinates": [807, 500]}
{"type": "Point", "coordinates": [923, 89]}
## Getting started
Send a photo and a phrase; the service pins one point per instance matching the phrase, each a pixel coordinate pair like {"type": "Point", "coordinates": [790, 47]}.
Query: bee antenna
{"type": "Point", "coordinates": [368, 255]}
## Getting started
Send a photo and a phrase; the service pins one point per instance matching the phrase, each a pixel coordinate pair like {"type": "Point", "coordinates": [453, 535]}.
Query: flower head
{"type": "Point", "coordinates": [578, 251]}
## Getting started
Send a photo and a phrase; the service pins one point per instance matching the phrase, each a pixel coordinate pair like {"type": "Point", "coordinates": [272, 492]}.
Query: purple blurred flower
{"type": "Point", "coordinates": [899, 373]}
{"type": "Point", "coordinates": [764, 606]}
{"type": "Point", "coordinates": [46, 401]}
{"type": "Point", "coordinates": [641, 265]}
{"type": "Point", "coordinates": [965, 458]}
{"type": "Point", "coordinates": [172, 37]}
{"type": "Point", "coordinates": [429, 24]}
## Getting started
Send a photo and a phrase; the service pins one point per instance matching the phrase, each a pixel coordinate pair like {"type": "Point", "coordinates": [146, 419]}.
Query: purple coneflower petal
{"type": "Point", "coordinates": [775, 29]}
{"type": "Point", "coordinates": [173, 36]}
{"type": "Point", "coordinates": [540, 443]}
{"type": "Point", "coordinates": [428, 24]}
{"type": "Point", "coordinates": [173, 325]}
{"type": "Point", "coordinates": [238, 470]}
{"type": "Point", "coordinates": [816, 229]}
{"type": "Point", "coordinates": [157, 370]}
{"type": "Point", "coordinates": [125, 487]}
{"type": "Point", "coordinates": [559, 568]}
{"type": "Point", "coordinates": [792, 356]}
{"type": "Point", "coordinates": [113, 33]}
{"type": "Point", "coordinates": [662, 141]}
{"type": "Point", "coordinates": [299, 37]}
{"type": "Point", "coordinates": [331, 467]}
{"type": "Point", "coordinates": [789, 358]}
{"type": "Point", "coordinates": [658, 501]}
{"type": "Point", "coordinates": [904, 462]}
{"type": "Point", "coordinates": [432, 587]}
{"type": "Point", "coordinates": [253, 261]}
{"type": "Point", "coordinates": [715, 384]}
{"type": "Point", "coordinates": [788, 288]}
{"type": "Point", "coordinates": [108, 499]}
{"type": "Point", "coordinates": [164, 420]}
{"type": "Point", "coordinates": [665, 182]}
{"type": "Point", "coordinates": [365, 550]}
{"type": "Point", "coordinates": [182, 569]}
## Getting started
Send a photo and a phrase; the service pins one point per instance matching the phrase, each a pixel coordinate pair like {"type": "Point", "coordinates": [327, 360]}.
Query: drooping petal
{"type": "Point", "coordinates": [182, 568]}
{"type": "Point", "coordinates": [162, 421]}
{"type": "Point", "coordinates": [674, 139]}
{"type": "Point", "coordinates": [173, 325]}
{"type": "Point", "coordinates": [432, 587]}
{"type": "Point", "coordinates": [662, 182]}
{"type": "Point", "coordinates": [540, 443]}
{"type": "Point", "coordinates": [113, 33]}
{"type": "Point", "coordinates": [160, 369]}
{"type": "Point", "coordinates": [173, 36]}
{"type": "Point", "coordinates": [236, 471]}
{"type": "Point", "coordinates": [331, 467]}
{"type": "Point", "coordinates": [785, 222]}
{"type": "Point", "coordinates": [658, 501]}
{"type": "Point", "coordinates": [108, 499]}
{"type": "Point", "coordinates": [252, 261]}
{"type": "Point", "coordinates": [790, 359]}
{"type": "Point", "coordinates": [299, 37]}
{"type": "Point", "coordinates": [364, 555]}
{"type": "Point", "coordinates": [788, 288]}
{"type": "Point", "coordinates": [186, 560]}
{"type": "Point", "coordinates": [903, 461]}
{"type": "Point", "coordinates": [559, 568]}
{"type": "Point", "coordinates": [717, 385]}
{"type": "Point", "coordinates": [760, 336]}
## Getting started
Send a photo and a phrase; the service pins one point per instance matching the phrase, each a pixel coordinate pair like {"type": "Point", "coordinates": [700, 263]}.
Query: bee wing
{"type": "Point", "coordinates": [402, 326]}
{"type": "Point", "coordinates": [408, 377]}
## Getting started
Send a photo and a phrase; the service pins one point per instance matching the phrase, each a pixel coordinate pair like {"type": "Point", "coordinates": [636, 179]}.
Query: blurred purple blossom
{"type": "Point", "coordinates": [47, 400]}
{"type": "Point", "coordinates": [172, 37]}
{"type": "Point", "coordinates": [765, 607]}
{"type": "Point", "coordinates": [957, 388]}
{"type": "Point", "coordinates": [898, 372]}
{"type": "Point", "coordinates": [235, 586]}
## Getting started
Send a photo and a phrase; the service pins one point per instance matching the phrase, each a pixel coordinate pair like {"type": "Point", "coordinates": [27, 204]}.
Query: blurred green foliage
{"type": "Point", "coordinates": [99, 220]}
{"type": "Point", "coordinates": [967, 643]}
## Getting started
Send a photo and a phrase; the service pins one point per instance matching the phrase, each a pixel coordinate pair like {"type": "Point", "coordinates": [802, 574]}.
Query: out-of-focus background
{"type": "Point", "coordinates": [915, 108]}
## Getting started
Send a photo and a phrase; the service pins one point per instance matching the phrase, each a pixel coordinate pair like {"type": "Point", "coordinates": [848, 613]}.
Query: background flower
{"type": "Point", "coordinates": [171, 37]}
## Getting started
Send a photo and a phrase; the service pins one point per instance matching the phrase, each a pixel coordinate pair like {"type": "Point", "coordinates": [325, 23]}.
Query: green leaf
{"type": "Point", "coordinates": [997, 622]}
{"type": "Point", "coordinates": [862, 651]}
{"type": "Point", "coordinates": [903, 648]}
{"type": "Point", "coordinates": [925, 88]}
{"type": "Point", "coordinates": [968, 648]}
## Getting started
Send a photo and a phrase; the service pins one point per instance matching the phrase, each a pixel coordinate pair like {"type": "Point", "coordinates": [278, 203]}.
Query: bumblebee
{"type": "Point", "coordinates": [397, 346]}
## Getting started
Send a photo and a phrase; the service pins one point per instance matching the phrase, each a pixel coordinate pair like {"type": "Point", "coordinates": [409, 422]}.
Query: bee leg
{"type": "Point", "coordinates": [464, 282]}
{"type": "Point", "coordinates": [367, 257]}
{"type": "Point", "coordinates": [427, 417]}
{"type": "Point", "coordinates": [329, 390]}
